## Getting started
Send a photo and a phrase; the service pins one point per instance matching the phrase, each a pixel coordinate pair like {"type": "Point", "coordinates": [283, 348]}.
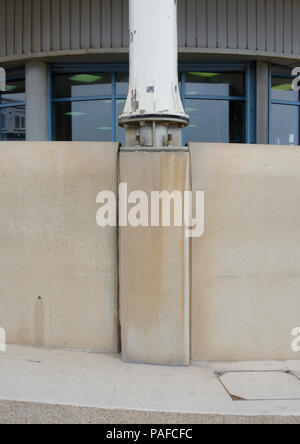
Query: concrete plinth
{"type": "Point", "coordinates": [154, 266]}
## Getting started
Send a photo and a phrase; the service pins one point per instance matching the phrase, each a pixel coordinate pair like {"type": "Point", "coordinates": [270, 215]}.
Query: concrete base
{"type": "Point", "coordinates": [58, 387]}
{"type": "Point", "coordinates": [154, 266]}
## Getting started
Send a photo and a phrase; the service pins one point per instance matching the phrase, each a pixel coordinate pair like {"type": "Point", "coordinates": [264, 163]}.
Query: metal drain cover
{"type": "Point", "coordinates": [260, 386]}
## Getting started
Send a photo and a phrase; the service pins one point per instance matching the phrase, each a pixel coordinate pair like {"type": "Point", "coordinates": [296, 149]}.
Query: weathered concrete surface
{"type": "Point", "coordinates": [58, 269]}
{"type": "Point", "coordinates": [154, 266]}
{"type": "Point", "coordinates": [43, 386]}
{"type": "Point", "coordinates": [246, 267]}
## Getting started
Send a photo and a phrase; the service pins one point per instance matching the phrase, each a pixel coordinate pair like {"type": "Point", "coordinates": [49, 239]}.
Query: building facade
{"type": "Point", "coordinates": [67, 69]}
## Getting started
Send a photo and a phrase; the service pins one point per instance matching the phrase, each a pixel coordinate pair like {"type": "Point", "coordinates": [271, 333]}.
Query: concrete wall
{"type": "Point", "coordinates": [35, 28]}
{"type": "Point", "coordinates": [58, 269]}
{"type": "Point", "coordinates": [246, 268]}
{"type": "Point", "coordinates": [59, 272]}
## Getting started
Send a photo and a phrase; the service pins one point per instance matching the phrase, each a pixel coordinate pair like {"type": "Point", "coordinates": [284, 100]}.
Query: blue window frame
{"type": "Point", "coordinates": [12, 107]}
{"type": "Point", "coordinates": [100, 91]}
{"type": "Point", "coordinates": [225, 102]}
{"type": "Point", "coordinates": [85, 101]}
{"type": "Point", "coordinates": [284, 108]}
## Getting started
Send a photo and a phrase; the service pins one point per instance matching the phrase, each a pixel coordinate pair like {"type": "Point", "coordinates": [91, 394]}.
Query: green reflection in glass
{"type": "Point", "coordinates": [85, 78]}
{"type": "Point", "coordinates": [75, 114]}
{"type": "Point", "coordinates": [283, 87]}
{"type": "Point", "coordinates": [10, 88]}
{"type": "Point", "coordinates": [204, 74]}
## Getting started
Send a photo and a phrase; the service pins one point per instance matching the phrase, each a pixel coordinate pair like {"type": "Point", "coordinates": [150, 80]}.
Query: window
{"type": "Point", "coordinates": [12, 109]}
{"type": "Point", "coordinates": [87, 104]}
{"type": "Point", "coordinates": [218, 104]}
{"type": "Point", "coordinates": [18, 122]}
{"type": "Point", "coordinates": [220, 99]}
{"type": "Point", "coordinates": [284, 110]}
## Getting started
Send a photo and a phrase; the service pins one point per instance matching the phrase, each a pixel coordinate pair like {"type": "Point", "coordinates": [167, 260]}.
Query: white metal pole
{"type": "Point", "coordinates": [153, 114]}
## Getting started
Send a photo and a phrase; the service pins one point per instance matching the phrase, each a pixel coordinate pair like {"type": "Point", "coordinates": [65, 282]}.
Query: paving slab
{"type": "Point", "coordinates": [261, 385]}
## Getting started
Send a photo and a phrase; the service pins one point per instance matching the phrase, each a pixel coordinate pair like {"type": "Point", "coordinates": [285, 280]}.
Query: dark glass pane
{"type": "Point", "coordinates": [15, 92]}
{"type": "Point", "coordinates": [215, 121]}
{"type": "Point", "coordinates": [82, 85]}
{"type": "Point", "coordinates": [180, 83]}
{"type": "Point", "coordinates": [122, 83]}
{"type": "Point", "coordinates": [282, 89]}
{"type": "Point", "coordinates": [84, 121]}
{"type": "Point", "coordinates": [12, 123]}
{"type": "Point", "coordinates": [120, 131]}
{"type": "Point", "coordinates": [285, 125]}
{"type": "Point", "coordinates": [215, 84]}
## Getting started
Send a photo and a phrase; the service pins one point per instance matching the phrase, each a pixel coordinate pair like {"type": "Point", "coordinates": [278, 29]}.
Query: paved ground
{"type": "Point", "coordinates": [51, 386]}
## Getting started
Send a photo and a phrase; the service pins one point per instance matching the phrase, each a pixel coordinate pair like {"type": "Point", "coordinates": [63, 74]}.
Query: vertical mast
{"type": "Point", "coordinates": [153, 114]}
